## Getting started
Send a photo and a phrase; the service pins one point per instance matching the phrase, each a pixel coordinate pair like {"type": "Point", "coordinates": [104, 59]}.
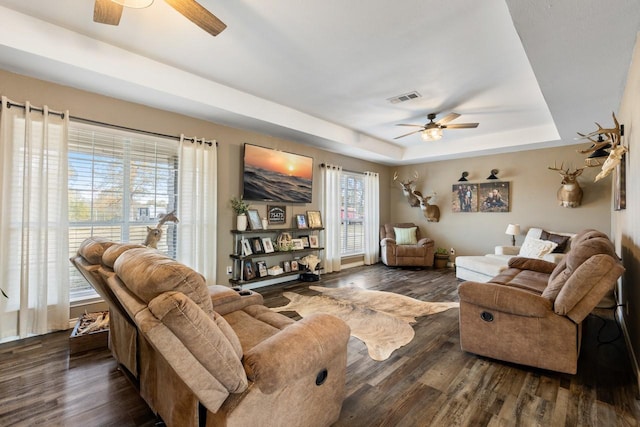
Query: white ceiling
{"type": "Point", "coordinates": [532, 72]}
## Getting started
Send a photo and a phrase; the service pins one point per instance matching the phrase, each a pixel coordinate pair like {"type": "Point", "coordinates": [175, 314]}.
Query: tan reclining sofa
{"type": "Point", "coordinates": [532, 312]}
{"type": "Point", "coordinates": [208, 355]}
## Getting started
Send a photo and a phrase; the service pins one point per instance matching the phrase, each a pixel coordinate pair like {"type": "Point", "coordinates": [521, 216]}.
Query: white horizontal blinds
{"type": "Point", "coordinates": [120, 183]}
{"type": "Point", "coordinates": [352, 213]}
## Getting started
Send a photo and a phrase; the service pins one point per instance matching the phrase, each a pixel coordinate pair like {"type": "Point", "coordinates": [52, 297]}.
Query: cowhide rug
{"type": "Point", "coordinates": [380, 319]}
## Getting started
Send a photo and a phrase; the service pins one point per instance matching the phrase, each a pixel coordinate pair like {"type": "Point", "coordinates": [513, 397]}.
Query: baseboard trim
{"type": "Point", "coordinates": [634, 360]}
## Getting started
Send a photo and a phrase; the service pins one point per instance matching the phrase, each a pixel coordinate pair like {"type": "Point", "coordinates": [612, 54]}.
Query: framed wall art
{"type": "Point", "coordinates": [255, 223]}
{"type": "Point", "coordinates": [276, 214]}
{"type": "Point", "coordinates": [464, 197]}
{"type": "Point", "coordinates": [494, 196]}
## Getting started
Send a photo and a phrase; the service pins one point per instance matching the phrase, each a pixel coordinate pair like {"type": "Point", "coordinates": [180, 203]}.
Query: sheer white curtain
{"type": "Point", "coordinates": [197, 206]}
{"type": "Point", "coordinates": [371, 218]}
{"type": "Point", "coordinates": [331, 203]}
{"type": "Point", "coordinates": [34, 248]}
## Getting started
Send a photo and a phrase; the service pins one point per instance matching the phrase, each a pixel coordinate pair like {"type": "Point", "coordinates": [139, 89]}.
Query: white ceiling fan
{"type": "Point", "coordinates": [432, 131]}
{"type": "Point", "coordinates": [110, 11]}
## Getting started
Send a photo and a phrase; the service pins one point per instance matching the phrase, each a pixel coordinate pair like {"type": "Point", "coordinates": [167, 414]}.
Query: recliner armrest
{"type": "Point", "coordinates": [506, 250]}
{"type": "Point", "coordinates": [425, 241]}
{"type": "Point", "coordinates": [387, 241]}
{"type": "Point", "coordinates": [532, 264]}
{"type": "Point", "coordinates": [303, 348]}
{"type": "Point", "coordinates": [506, 299]}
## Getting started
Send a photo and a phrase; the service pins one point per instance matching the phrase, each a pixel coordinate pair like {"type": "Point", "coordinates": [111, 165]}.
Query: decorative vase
{"type": "Point", "coordinates": [241, 222]}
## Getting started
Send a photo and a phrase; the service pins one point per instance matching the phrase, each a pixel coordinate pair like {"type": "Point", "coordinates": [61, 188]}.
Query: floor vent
{"type": "Point", "coordinates": [404, 97]}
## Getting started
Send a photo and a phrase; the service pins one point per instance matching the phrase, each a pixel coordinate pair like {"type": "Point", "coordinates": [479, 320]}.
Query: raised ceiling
{"type": "Point", "coordinates": [321, 73]}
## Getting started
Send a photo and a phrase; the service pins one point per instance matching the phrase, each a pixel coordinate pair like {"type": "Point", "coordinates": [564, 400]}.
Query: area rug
{"type": "Point", "coordinates": [382, 320]}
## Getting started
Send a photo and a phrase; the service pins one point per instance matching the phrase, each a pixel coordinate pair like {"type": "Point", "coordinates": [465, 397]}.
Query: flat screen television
{"type": "Point", "coordinates": [276, 176]}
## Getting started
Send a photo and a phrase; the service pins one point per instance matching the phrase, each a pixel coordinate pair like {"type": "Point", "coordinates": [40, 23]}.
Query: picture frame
{"type": "Point", "coordinates": [305, 241]}
{"type": "Point", "coordinates": [246, 248]}
{"type": "Point", "coordinates": [248, 270]}
{"type": "Point", "coordinates": [286, 266]}
{"type": "Point", "coordinates": [464, 197]}
{"type": "Point", "coordinates": [267, 245]}
{"type": "Point", "coordinates": [255, 223]}
{"type": "Point", "coordinates": [313, 241]}
{"type": "Point", "coordinates": [494, 196]}
{"type": "Point", "coordinates": [256, 245]}
{"type": "Point", "coordinates": [276, 214]}
{"type": "Point", "coordinates": [294, 265]}
{"type": "Point", "coordinates": [261, 269]}
{"type": "Point", "coordinates": [297, 244]}
{"type": "Point", "coordinates": [301, 221]}
{"type": "Point", "coordinates": [314, 219]}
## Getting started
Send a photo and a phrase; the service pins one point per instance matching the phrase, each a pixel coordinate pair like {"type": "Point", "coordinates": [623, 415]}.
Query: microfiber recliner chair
{"type": "Point", "coordinates": [402, 246]}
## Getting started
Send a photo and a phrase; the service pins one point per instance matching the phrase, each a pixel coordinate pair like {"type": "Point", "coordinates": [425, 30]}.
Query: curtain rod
{"type": "Point", "coordinates": [110, 125]}
{"type": "Point", "coordinates": [324, 165]}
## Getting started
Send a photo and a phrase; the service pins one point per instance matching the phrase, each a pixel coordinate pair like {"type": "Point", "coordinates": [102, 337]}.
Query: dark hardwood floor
{"type": "Point", "coordinates": [429, 382]}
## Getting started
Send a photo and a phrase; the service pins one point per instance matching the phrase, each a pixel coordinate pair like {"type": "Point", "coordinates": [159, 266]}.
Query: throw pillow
{"type": "Point", "coordinates": [405, 236]}
{"type": "Point", "coordinates": [557, 238]}
{"type": "Point", "coordinates": [536, 248]}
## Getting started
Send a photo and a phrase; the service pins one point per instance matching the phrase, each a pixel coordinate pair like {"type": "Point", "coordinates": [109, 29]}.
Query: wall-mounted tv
{"type": "Point", "coordinates": [276, 176]}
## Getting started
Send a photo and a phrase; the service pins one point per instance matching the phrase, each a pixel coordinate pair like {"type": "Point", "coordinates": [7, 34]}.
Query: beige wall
{"type": "Point", "coordinates": [96, 107]}
{"type": "Point", "coordinates": [533, 198]}
{"type": "Point", "coordinates": [626, 223]}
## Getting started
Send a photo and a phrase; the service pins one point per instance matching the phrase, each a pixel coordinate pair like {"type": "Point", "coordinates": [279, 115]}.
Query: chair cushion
{"type": "Point", "coordinates": [405, 236]}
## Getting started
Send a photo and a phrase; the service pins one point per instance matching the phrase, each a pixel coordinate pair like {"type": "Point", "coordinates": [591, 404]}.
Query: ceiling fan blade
{"type": "Point", "coordinates": [461, 126]}
{"type": "Point", "coordinates": [200, 16]}
{"type": "Point", "coordinates": [446, 119]}
{"type": "Point", "coordinates": [107, 12]}
{"type": "Point", "coordinates": [407, 134]}
{"type": "Point", "coordinates": [407, 124]}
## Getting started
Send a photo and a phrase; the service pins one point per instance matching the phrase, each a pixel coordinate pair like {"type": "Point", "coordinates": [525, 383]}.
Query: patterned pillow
{"type": "Point", "coordinates": [405, 236]}
{"type": "Point", "coordinates": [536, 248]}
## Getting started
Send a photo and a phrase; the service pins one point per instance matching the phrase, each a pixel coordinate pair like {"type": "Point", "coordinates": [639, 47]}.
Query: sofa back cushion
{"type": "Point", "coordinates": [210, 339]}
{"type": "Point", "coordinates": [112, 253]}
{"type": "Point", "coordinates": [92, 249]}
{"type": "Point", "coordinates": [148, 273]}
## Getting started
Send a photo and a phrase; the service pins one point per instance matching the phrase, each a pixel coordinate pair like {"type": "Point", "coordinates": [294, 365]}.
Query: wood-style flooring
{"type": "Point", "coordinates": [429, 382]}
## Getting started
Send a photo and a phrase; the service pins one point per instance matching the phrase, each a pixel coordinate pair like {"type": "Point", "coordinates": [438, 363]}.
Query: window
{"type": "Point", "coordinates": [352, 213]}
{"type": "Point", "coordinates": [120, 183]}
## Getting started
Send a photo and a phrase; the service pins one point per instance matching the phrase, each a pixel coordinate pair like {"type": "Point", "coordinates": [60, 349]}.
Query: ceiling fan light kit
{"type": "Point", "coordinates": [431, 134]}
{"type": "Point", "coordinates": [134, 4]}
{"type": "Point", "coordinates": [433, 131]}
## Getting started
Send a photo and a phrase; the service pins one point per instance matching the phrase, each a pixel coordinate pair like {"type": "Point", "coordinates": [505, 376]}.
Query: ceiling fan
{"type": "Point", "coordinates": [110, 11]}
{"type": "Point", "coordinates": [432, 131]}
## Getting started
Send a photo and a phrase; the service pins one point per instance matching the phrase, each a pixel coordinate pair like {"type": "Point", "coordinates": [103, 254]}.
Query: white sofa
{"type": "Point", "coordinates": [538, 243]}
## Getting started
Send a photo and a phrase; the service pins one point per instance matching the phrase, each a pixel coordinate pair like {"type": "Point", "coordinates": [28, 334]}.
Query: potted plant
{"type": "Point", "coordinates": [240, 207]}
{"type": "Point", "coordinates": [441, 258]}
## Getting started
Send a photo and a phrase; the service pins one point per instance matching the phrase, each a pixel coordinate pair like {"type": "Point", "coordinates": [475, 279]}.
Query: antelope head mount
{"type": "Point", "coordinates": [407, 188]}
{"type": "Point", "coordinates": [569, 194]}
{"type": "Point", "coordinates": [431, 212]}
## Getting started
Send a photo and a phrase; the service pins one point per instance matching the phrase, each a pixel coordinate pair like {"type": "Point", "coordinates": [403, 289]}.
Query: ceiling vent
{"type": "Point", "coordinates": [404, 97]}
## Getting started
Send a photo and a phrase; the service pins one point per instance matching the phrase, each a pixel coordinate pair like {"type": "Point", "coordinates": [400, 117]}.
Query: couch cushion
{"type": "Point", "coordinates": [92, 249]}
{"type": "Point", "coordinates": [536, 248]}
{"type": "Point", "coordinates": [405, 236]}
{"type": "Point", "coordinates": [251, 329]}
{"type": "Point", "coordinates": [148, 273]}
{"type": "Point", "coordinates": [203, 336]}
{"type": "Point", "coordinates": [556, 238]}
{"type": "Point", "coordinates": [114, 251]}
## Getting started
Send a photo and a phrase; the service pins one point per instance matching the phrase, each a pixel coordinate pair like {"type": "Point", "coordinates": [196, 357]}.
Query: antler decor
{"type": "Point", "coordinates": [407, 188]}
{"type": "Point", "coordinates": [607, 139]}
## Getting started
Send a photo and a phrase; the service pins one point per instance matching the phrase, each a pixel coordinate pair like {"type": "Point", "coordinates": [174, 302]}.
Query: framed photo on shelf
{"type": "Point", "coordinates": [249, 270]}
{"type": "Point", "coordinates": [294, 265]}
{"type": "Point", "coordinates": [286, 266]}
{"type": "Point", "coordinates": [255, 223]}
{"type": "Point", "coordinates": [315, 219]}
{"type": "Point", "coordinates": [301, 221]}
{"type": "Point", "coordinates": [246, 248]}
{"type": "Point", "coordinates": [297, 244]}
{"type": "Point", "coordinates": [313, 241]}
{"type": "Point", "coordinates": [261, 268]}
{"type": "Point", "coordinates": [267, 245]}
{"type": "Point", "coordinates": [276, 214]}
{"type": "Point", "coordinates": [305, 241]}
{"type": "Point", "coordinates": [256, 245]}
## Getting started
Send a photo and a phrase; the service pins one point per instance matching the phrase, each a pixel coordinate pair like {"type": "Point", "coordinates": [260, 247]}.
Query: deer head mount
{"type": "Point", "coordinates": [569, 194]}
{"type": "Point", "coordinates": [431, 212]}
{"type": "Point", "coordinates": [407, 188]}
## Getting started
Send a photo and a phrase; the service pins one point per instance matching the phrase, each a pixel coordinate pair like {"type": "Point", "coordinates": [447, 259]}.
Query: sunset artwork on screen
{"type": "Point", "coordinates": [272, 175]}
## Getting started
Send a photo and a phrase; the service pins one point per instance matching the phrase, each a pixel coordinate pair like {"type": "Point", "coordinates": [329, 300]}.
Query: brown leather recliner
{"type": "Point", "coordinates": [418, 252]}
